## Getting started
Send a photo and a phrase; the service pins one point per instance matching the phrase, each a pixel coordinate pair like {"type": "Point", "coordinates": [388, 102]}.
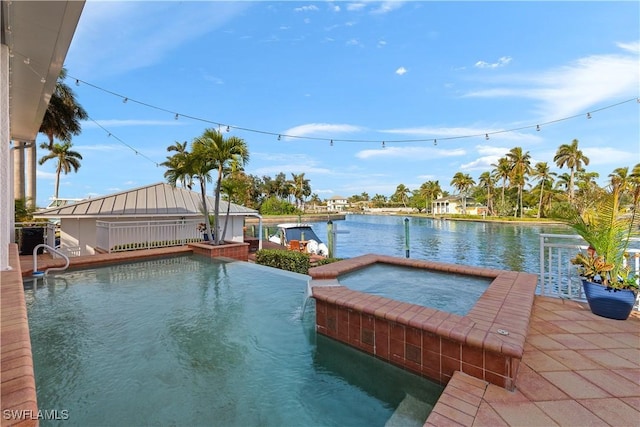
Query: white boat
{"type": "Point", "coordinates": [300, 237]}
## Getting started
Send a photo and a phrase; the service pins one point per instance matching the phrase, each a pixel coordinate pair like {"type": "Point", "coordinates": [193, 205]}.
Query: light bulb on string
{"type": "Point", "coordinates": [77, 82]}
{"type": "Point", "coordinates": [176, 117]}
{"type": "Point", "coordinates": [279, 137]}
{"type": "Point", "coordinates": [331, 143]}
{"type": "Point", "coordinates": [228, 128]}
{"type": "Point", "coordinates": [124, 101]}
{"type": "Point", "coordinates": [588, 115]}
{"type": "Point", "coordinates": [486, 136]}
{"type": "Point", "coordinates": [538, 128]}
{"type": "Point", "coordinates": [435, 142]}
{"type": "Point", "coordinates": [383, 146]}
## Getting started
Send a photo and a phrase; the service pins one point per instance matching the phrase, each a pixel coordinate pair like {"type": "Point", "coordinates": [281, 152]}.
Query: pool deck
{"type": "Point", "coordinates": [577, 368]}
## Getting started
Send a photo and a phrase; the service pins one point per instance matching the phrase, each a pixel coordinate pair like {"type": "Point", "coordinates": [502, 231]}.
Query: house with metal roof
{"type": "Point", "coordinates": [155, 215]}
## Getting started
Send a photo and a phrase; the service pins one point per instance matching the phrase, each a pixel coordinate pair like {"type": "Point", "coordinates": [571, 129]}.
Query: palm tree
{"type": "Point", "coordinates": [544, 174]}
{"type": "Point", "coordinates": [301, 189]}
{"type": "Point", "coordinates": [67, 160]}
{"type": "Point", "coordinates": [430, 190]}
{"type": "Point", "coordinates": [569, 155]}
{"type": "Point", "coordinates": [487, 182]}
{"type": "Point", "coordinates": [520, 167]}
{"type": "Point", "coordinates": [463, 182]}
{"type": "Point", "coordinates": [216, 153]}
{"type": "Point", "coordinates": [502, 171]}
{"type": "Point", "coordinates": [64, 113]}
{"type": "Point", "coordinates": [402, 191]}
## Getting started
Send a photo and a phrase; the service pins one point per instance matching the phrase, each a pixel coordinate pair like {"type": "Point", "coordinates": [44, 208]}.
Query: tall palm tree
{"type": "Point", "coordinates": [544, 174]}
{"type": "Point", "coordinates": [68, 160]}
{"type": "Point", "coordinates": [430, 190]}
{"type": "Point", "coordinates": [64, 113]}
{"type": "Point", "coordinates": [487, 182]}
{"type": "Point", "coordinates": [463, 182]}
{"type": "Point", "coordinates": [571, 156]}
{"type": "Point", "coordinates": [301, 189]}
{"type": "Point", "coordinates": [520, 167]}
{"type": "Point", "coordinates": [401, 194]}
{"type": "Point", "coordinates": [502, 171]}
{"type": "Point", "coordinates": [216, 153]}
{"type": "Point", "coordinates": [179, 166]}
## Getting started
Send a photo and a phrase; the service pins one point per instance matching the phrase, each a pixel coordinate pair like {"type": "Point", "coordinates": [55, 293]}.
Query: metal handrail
{"type": "Point", "coordinates": [37, 273]}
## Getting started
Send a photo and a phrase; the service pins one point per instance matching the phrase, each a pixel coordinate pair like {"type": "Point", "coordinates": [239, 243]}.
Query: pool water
{"type": "Point", "coordinates": [194, 341]}
{"type": "Point", "coordinates": [450, 292]}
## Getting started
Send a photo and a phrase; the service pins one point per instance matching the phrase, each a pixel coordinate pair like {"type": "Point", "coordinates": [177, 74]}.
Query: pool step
{"type": "Point", "coordinates": [410, 412]}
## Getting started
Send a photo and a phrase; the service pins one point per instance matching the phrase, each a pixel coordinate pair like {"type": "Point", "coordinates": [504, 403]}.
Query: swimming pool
{"type": "Point", "coordinates": [195, 341]}
{"type": "Point", "coordinates": [446, 291]}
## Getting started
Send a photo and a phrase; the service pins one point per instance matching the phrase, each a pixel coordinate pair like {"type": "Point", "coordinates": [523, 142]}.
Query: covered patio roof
{"type": "Point", "coordinates": [154, 200]}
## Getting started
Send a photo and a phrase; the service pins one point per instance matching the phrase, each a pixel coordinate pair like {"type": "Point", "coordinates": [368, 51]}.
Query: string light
{"type": "Point", "coordinates": [383, 144]}
{"type": "Point", "coordinates": [228, 129]}
{"type": "Point", "coordinates": [27, 61]}
{"type": "Point", "coordinates": [435, 142]}
{"type": "Point", "coordinates": [331, 143]}
{"type": "Point", "coordinates": [263, 132]}
{"type": "Point", "coordinates": [124, 101]}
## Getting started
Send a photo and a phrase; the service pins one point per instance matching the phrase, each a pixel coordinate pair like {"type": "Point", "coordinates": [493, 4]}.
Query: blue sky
{"type": "Point", "coordinates": [356, 72]}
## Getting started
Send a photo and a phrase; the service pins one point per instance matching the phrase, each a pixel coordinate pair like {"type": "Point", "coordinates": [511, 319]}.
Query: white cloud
{"type": "Point", "coordinates": [401, 71]}
{"type": "Point", "coordinates": [381, 43]}
{"type": "Point", "coordinates": [355, 7]}
{"type": "Point", "coordinates": [574, 88]}
{"type": "Point", "coordinates": [321, 129]}
{"type": "Point", "coordinates": [607, 155]}
{"type": "Point", "coordinates": [387, 6]}
{"type": "Point", "coordinates": [503, 61]}
{"type": "Point", "coordinates": [310, 8]}
{"type": "Point", "coordinates": [633, 47]}
{"type": "Point", "coordinates": [413, 153]}
{"type": "Point", "coordinates": [101, 147]}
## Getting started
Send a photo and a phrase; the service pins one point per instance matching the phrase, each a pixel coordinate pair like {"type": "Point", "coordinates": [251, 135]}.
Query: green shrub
{"type": "Point", "coordinates": [297, 262]}
{"type": "Point", "coordinates": [324, 261]}
{"type": "Point", "coordinates": [275, 206]}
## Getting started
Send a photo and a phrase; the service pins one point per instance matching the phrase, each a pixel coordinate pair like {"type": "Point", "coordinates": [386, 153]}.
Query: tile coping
{"type": "Point", "coordinates": [497, 323]}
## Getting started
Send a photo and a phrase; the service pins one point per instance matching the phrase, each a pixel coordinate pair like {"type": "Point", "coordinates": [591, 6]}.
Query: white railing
{"type": "Point", "coordinates": [133, 235]}
{"type": "Point", "coordinates": [558, 277]}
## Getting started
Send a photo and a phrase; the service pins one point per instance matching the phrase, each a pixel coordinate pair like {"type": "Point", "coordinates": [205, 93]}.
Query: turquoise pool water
{"type": "Point", "coordinates": [193, 341]}
{"type": "Point", "coordinates": [453, 293]}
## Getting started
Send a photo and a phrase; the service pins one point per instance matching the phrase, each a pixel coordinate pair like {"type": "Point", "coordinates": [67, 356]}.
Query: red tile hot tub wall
{"type": "Point", "coordinates": [426, 341]}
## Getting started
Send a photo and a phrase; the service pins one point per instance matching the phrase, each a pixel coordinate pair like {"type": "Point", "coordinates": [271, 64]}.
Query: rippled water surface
{"type": "Point", "coordinates": [483, 244]}
{"type": "Point", "coordinates": [190, 341]}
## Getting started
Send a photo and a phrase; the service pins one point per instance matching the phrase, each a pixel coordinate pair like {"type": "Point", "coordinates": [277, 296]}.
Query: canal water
{"type": "Point", "coordinates": [484, 244]}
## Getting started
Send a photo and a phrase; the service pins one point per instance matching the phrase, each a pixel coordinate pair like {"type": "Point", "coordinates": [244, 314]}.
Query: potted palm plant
{"type": "Point", "coordinates": [609, 283]}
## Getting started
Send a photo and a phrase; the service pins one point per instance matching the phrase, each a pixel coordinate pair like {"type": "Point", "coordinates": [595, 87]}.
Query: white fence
{"type": "Point", "coordinates": [558, 277]}
{"type": "Point", "coordinates": [132, 235]}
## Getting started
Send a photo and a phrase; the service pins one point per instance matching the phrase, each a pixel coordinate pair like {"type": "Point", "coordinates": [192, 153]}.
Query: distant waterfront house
{"type": "Point", "coordinates": [453, 205]}
{"type": "Point", "coordinates": [337, 204]}
{"type": "Point", "coordinates": [156, 215]}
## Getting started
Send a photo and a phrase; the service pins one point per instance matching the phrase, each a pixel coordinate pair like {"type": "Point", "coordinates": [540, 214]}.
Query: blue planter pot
{"type": "Point", "coordinates": [608, 302]}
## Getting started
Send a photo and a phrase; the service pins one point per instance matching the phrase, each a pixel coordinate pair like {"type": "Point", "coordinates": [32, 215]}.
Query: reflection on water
{"type": "Point", "coordinates": [484, 244]}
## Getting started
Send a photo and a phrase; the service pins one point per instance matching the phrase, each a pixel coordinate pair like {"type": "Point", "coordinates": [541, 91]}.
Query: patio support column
{"type": "Point", "coordinates": [7, 206]}
{"type": "Point", "coordinates": [30, 173]}
{"type": "Point", "coordinates": [18, 170]}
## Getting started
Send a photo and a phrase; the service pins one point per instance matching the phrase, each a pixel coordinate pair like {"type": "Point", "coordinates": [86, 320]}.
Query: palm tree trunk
{"type": "Point", "coordinates": [58, 170]}
{"type": "Point", "coordinates": [216, 209]}
{"type": "Point", "coordinates": [541, 191]}
{"type": "Point", "coordinates": [205, 209]}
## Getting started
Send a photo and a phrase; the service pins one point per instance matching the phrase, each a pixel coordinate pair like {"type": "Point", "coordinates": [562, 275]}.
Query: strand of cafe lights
{"type": "Point", "coordinates": [331, 141]}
